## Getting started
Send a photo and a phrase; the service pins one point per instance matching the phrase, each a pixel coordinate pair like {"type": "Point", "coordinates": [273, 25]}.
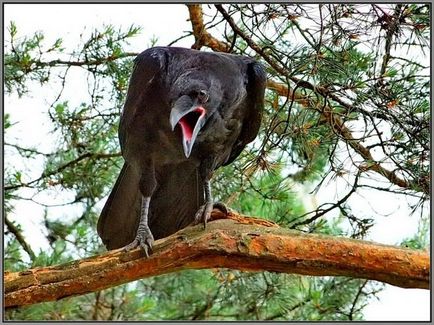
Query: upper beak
{"type": "Point", "coordinates": [191, 121]}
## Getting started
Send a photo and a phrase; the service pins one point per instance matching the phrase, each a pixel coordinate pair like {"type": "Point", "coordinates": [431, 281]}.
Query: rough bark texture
{"type": "Point", "coordinates": [241, 243]}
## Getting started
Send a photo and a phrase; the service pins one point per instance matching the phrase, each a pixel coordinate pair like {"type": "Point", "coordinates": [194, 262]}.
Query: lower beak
{"type": "Point", "coordinates": [191, 123]}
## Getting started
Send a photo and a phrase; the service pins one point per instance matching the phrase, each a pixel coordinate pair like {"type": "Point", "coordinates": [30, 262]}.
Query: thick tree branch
{"type": "Point", "coordinates": [242, 243]}
{"type": "Point", "coordinates": [201, 34]}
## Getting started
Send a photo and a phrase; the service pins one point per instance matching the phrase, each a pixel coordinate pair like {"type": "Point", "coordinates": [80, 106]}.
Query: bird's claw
{"type": "Point", "coordinates": [144, 239]}
{"type": "Point", "coordinates": [204, 212]}
{"type": "Point", "coordinates": [221, 206]}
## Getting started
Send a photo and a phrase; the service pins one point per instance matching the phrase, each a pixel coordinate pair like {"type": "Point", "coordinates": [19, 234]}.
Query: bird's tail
{"type": "Point", "coordinates": [118, 222]}
{"type": "Point", "coordinates": [177, 198]}
{"type": "Point", "coordinates": [174, 203]}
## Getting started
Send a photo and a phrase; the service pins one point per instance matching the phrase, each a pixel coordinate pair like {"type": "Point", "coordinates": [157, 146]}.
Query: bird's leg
{"type": "Point", "coordinates": [144, 237]}
{"type": "Point", "coordinates": [204, 212]}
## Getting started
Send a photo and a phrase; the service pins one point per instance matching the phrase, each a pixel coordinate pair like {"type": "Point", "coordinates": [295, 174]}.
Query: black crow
{"type": "Point", "coordinates": [187, 113]}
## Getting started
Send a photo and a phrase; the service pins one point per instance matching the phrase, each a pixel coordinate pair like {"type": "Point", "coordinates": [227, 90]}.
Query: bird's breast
{"type": "Point", "coordinates": [217, 139]}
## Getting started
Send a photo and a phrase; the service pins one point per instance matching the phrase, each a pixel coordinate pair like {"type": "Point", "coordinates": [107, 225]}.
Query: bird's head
{"type": "Point", "coordinates": [190, 110]}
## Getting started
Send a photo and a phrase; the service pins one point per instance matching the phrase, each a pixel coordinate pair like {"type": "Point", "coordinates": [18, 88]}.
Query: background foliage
{"type": "Point", "coordinates": [359, 116]}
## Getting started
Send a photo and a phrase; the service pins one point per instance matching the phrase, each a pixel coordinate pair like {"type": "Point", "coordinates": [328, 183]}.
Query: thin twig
{"type": "Point", "coordinates": [20, 238]}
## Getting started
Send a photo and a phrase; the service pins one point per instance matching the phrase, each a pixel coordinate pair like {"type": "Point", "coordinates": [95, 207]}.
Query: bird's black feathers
{"type": "Point", "coordinates": [227, 92]}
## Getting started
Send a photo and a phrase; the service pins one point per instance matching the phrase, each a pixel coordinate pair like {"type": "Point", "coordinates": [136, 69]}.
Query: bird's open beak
{"type": "Point", "coordinates": [191, 122]}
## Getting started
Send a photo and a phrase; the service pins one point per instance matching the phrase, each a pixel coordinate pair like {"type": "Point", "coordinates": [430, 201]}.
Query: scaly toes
{"type": "Point", "coordinates": [147, 244]}
{"type": "Point", "coordinates": [221, 206]}
{"type": "Point", "coordinates": [143, 239]}
{"type": "Point", "coordinates": [198, 216]}
{"type": "Point", "coordinates": [203, 214]}
{"type": "Point", "coordinates": [131, 245]}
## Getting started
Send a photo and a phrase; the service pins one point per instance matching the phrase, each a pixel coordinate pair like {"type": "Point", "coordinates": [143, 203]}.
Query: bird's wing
{"type": "Point", "coordinates": [118, 221]}
{"type": "Point", "coordinates": [256, 79]}
{"type": "Point", "coordinates": [149, 66]}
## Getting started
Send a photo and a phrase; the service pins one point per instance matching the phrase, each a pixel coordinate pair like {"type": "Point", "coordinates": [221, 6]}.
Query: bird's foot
{"type": "Point", "coordinates": [204, 212]}
{"type": "Point", "coordinates": [144, 239]}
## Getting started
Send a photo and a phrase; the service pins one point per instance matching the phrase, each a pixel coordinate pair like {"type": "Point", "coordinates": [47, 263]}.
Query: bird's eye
{"type": "Point", "coordinates": [203, 96]}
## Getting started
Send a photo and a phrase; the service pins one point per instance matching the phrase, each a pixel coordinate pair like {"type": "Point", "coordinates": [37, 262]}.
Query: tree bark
{"type": "Point", "coordinates": [242, 243]}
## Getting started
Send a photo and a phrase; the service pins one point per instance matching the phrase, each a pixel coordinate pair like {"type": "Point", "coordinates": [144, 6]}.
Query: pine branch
{"type": "Point", "coordinates": [87, 155]}
{"type": "Point", "coordinates": [201, 35]}
{"type": "Point", "coordinates": [20, 238]}
{"type": "Point", "coordinates": [100, 61]}
{"type": "Point", "coordinates": [204, 38]}
{"type": "Point", "coordinates": [243, 243]}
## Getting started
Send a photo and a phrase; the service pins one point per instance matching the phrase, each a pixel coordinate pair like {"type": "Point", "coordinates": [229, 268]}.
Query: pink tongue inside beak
{"type": "Point", "coordinates": [188, 122]}
{"type": "Point", "coordinates": [187, 131]}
